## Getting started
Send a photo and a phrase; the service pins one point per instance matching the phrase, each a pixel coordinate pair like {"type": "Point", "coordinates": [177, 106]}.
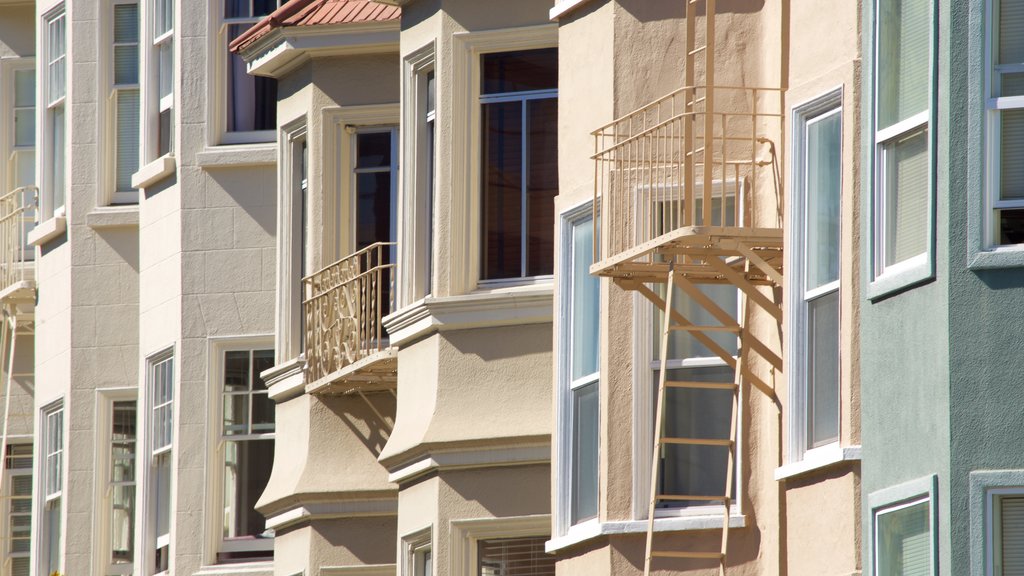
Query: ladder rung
{"type": "Point", "coordinates": [684, 498]}
{"type": "Point", "coordinates": [697, 50]}
{"type": "Point", "coordinates": [696, 441]}
{"type": "Point", "coordinates": [693, 555]}
{"type": "Point", "coordinates": [703, 385]}
{"type": "Point", "coordinates": [695, 328]}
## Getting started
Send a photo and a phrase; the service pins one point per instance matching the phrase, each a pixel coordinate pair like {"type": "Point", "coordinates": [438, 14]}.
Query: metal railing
{"type": "Point", "coordinates": [17, 216]}
{"type": "Point", "coordinates": [343, 306]}
{"type": "Point", "coordinates": [697, 139]}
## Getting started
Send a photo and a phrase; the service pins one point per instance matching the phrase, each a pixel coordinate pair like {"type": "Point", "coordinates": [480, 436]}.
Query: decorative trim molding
{"type": "Point", "coordinates": [508, 307]}
{"type": "Point", "coordinates": [329, 510]}
{"type": "Point", "coordinates": [284, 49]}
{"type": "Point", "coordinates": [286, 380]}
{"type": "Point", "coordinates": [594, 529]}
{"type": "Point", "coordinates": [366, 570]}
{"type": "Point", "coordinates": [465, 533]}
{"type": "Point", "coordinates": [479, 458]}
{"type": "Point", "coordinates": [563, 7]}
{"type": "Point", "coordinates": [233, 155]}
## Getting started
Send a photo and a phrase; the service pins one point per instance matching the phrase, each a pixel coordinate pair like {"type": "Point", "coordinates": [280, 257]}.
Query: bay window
{"type": "Point", "coordinates": [53, 189]}
{"type": "Point", "coordinates": [902, 232]}
{"type": "Point", "coordinates": [247, 440]}
{"type": "Point", "coordinates": [815, 310]}
{"type": "Point", "coordinates": [519, 162]}
{"type": "Point", "coordinates": [123, 101]}
{"type": "Point", "coordinates": [250, 102]}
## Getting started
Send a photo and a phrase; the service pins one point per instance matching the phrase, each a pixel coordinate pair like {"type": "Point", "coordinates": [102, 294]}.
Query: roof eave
{"type": "Point", "coordinates": [283, 49]}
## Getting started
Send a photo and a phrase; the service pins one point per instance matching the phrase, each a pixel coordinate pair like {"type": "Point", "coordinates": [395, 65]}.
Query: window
{"type": "Point", "coordinates": [23, 141]}
{"type": "Point", "coordinates": [580, 404]}
{"type": "Point", "coordinates": [52, 466]}
{"type": "Point", "coordinates": [18, 508]}
{"type": "Point", "coordinates": [54, 92]}
{"type": "Point", "coordinates": [247, 437]}
{"type": "Point", "coordinates": [160, 386]}
{"type": "Point", "coordinates": [903, 521]}
{"type": "Point", "coordinates": [519, 162]}
{"type": "Point", "coordinates": [424, 562]}
{"type": "Point", "coordinates": [417, 555]}
{"type": "Point", "coordinates": [815, 310]}
{"type": "Point", "coordinates": [375, 182]}
{"type": "Point", "coordinates": [162, 77]}
{"type": "Point", "coordinates": [902, 227]}
{"type": "Point", "coordinates": [250, 103]}
{"type": "Point", "coordinates": [514, 557]}
{"type": "Point", "coordinates": [124, 99]}
{"type": "Point", "coordinates": [121, 486]}
{"type": "Point", "coordinates": [1006, 530]}
{"type": "Point", "coordinates": [1005, 112]}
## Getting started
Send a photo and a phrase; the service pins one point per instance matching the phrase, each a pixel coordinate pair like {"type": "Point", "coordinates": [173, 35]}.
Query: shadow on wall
{"type": "Point", "coordinates": [361, 540]}
{"type": "Point", "coordinates": [647, 11]}
{"type": "Point", "coordinates": [490, 344]}
{"type": "Point", "coordinates": [506, 491]}
{"type": "Point", "coordinates": [364, 423]}
{"type": "Point", "coordinates": [253, 189]}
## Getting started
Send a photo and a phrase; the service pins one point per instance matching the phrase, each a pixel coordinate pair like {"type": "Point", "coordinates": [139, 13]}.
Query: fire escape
{"type": "Point", "coordinates": [687, 193]}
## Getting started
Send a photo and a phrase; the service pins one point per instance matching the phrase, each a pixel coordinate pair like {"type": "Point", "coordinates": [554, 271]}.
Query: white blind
{"type": "Point", "coordinates": [1011, 32]}
{"type": "Point", "coordinates": [128, 118]}
{"type": "Point", "coordinates": [515, 557]}
{"type": "Point", "coordinates": [1011, 536]}
{"type": "Point", "coordinates": [126, 44]}
{"type": "Point", "coordinates": [907, 199]}
{"type": "Point", "coordinates": [904, 37]}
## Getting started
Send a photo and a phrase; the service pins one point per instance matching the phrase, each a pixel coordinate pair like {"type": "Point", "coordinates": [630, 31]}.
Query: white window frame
{"type": "Point", "coordinates": [217, 90]}
{"type": "Point", "coordinates": [886, 280]}
{"type": "Point", "coordinates": [49, 207]}
{"type": "Point", "coordinates": [108, 192]}
{"type": "Point", "coordinates": [817, 109]}
{"type": "Point", "coordinates": [215, 543]}
{"type": "Point", "coordinates": [10, 150]}
{"type": "Point", "coordinates": [47, 497]}
{"type": "Point", "coordinates": [105, 399]}
{"type": "Point", "coordinates": [294, 225]}
{"type": "Point", "coordinates": [151, 103]}
{"type": "Point", "coordinates": [985, 487]}
{"type": "Point", "coordinates": [465, 534]}
{"type": "Point", "coordinates": [392, 169]}
{"type": "Point", "coordinates": [416, 546]}
{"type": "Point", "coordinates": [10, 473]}
{"type": "Point", "coordinates": [463, 208]}
{"type": "Point", "coordinates": [565, 415]}
{"type": "Point", "coordinates": [147, 541]}
{"type": "Point", "coordinates": [416, 241]}
{"type": "Point", "coordinates": [896, 498]}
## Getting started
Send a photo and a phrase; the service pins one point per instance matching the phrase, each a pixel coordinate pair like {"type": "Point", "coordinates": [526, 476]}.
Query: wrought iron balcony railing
{"type": "Point", "coordinates": [343, 306]}
{"type": "Point", "coordinates": [17, 216]}
{"type": "Point", "coordinates": [689, 159]}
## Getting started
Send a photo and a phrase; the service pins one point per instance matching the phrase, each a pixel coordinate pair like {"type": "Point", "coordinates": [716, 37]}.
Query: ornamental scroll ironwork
{"type": "Point", "coordinates": [343, 307]}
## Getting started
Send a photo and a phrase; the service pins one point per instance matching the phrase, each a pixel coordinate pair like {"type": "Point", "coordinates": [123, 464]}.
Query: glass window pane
{"type": "Point", "coordinates": [165, 132]}
{"type": "Point", "coordinates": [1011, 150]}
{"type": "Point", "coordinates": [585, 440]}
{"type": "Point", "coordinates": [251, 100]}
{"type": "Point", "coordinates": [122, 524]}
{"type": "Point", "coordinates": [683, 344]}
{"type": "Point", "coordinates": [542, 185]}
{"type": "Point", "coordinates": [25, 127]}
{"type": "Point", "coordinates": [162, 494]}
{"type": "Point", "coordinates": [823, 166]}
{"type": "Point", "coordinates": [128, 117]}
{"type": "Point", "coordinates": [262, 360]}
{"type": "Point", "coordinates": [585, 302]}
{"type": "Point", "coordinates": [373, 208]}
{"type": "Point", "coordinates": [126, 23]}
{"type": "Point", "coordinates": [904, 63]}
{"type": "Point", "coordinates": [431, 92]}
{"type": "Point", "coordinates": [1011, 226]}
{"type": "Point", "coordinates": [247, 467]}
{"type": "Point", "coordinates": [236, 414]}
{"type": "Point", "coordinates": [261, 8]}
{"type": "Point", "coordinates": [1010, 16]}
{"type": "Point", "coordinates": [166, 69]}
{"type": "Point", "coordinates": [164, 17]}
{"type": "Point", "coordinates": [373, 149]}
{"type": "Point", "coordinates": [236, 370]}
{"type": "Point", "coordinates": [823, 369]}
{"type": "Point", "coordinates": [57, 157]}
{"type": "Point", "coordinates": [695, 413]}
{"type": "Point", "coordinates": [906, 197]}
{"type": "Point", "coordinates": [519, 71]}
{"type": "Point", "coordinates": [1010, 534]}
{"type": "Point", "coordinates": [126, 64]}
{"type": "Point", "coordinates": [904, 544]}
{"type": "Point", "coordinates": [514, 557]}
{"type": "Point", "coordinates": [24, 88]}
{"type": "Point", "coordinates": [502, 190]}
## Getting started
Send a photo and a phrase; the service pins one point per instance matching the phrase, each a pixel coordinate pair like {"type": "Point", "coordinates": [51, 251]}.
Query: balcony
{"type": "Point", "coordinates": [685, 178]}
{"type": "Point", "coordinates": [17, 273]}
{"type": "Point", "coordinates": [346, 346]}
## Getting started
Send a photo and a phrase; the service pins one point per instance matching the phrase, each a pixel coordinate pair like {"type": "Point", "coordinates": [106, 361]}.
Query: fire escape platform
{"type": "Point", "coordinates": [376, 372]}
{"type": "Point", "coordinates": [692, 248]}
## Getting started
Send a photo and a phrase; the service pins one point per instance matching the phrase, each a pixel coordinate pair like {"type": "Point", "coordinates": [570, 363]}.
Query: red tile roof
{"type": "Point", "coordinates": [316, 13]}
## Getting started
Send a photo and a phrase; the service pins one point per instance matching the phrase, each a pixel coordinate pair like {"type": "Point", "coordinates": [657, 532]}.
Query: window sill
{"type": "Point", "coordinates": [593, 529]}
{"type": "Point", "coordinates": [286, 380]}
{"type": "Point", "coordinates": [818, 460]}
{"type": "Point", "coordinates": [47, 230]}
{"type": "Point", "coordinates": [233, 155]}
{"type": "Point", "coordinates": [265, 567]}
{"type": "Point", "coordinates": [997, 257]}
{"type": "Point", "coordinates": [113, 217]}
{"type": "Point", "coordinates": [504, 307]}
{"type": "Point", "coordinates": [154, 172]}
{"type": "Point", "coordinates": [902, 276]}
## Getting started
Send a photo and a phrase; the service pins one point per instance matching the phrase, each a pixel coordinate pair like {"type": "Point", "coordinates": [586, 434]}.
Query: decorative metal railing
{"type": "Point", "coordinates": [647, 162]}
{"type": "Point", "coordinates": [343, 305]}
{"type": "Point", "coordinates": [17, 216]}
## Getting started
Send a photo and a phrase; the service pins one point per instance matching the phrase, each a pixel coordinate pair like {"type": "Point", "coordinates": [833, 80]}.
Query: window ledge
{"type": "Point", "coordinates": [113, 217]}
{"type": "Point", "coordinates": [265, 568]}
{"type": "Point", "coordinates": [997, 257]}
{"type": "Point", "coordinates": [902, 276]}
{"type": "Point", "coordinates": [228, 156]}
{"type": "Point", "coordinates": [817, 460]}
{"type": "Point", "coordinates": [47, 230]}
{"type": "Point", "coordinates": [286, 380]}
{"type": "Point", "coordinates": [506, 307]}
{"type": "Point", "coordinates": [154, 172]}
{"type": "Point", "coordinates": [590, 530]}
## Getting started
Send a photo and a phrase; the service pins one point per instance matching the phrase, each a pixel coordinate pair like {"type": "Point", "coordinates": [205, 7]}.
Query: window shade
{"type": "Point", "coordinates": [904, 543]}
{"type": "Point", "coordinates": [128, 118]}
{"type": "Point", "coordinates": [1011, 536]}
{"type": "Point", "coordinates": [1011, 32]}
{"type": "Point", "coordinates": [904, 46]}
{"type": "Point", "coordinates": [515, 557]}
{"type": "Point", "coordinates": [906, 200]}
{"type": "Point", "coordinates": [824, 180]}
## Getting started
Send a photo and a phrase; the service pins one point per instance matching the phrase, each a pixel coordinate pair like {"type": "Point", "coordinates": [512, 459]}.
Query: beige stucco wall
{"type": "Point", "coordinates": [17, 30]}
